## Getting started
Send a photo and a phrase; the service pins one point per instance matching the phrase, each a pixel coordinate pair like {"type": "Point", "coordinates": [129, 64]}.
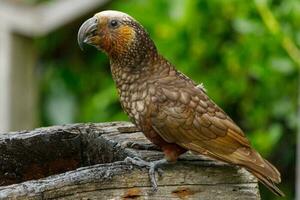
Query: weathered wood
{"type": "Point", "coordinates": [94, 154]}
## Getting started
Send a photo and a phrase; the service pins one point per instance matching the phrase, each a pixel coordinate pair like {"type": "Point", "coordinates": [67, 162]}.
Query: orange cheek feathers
{"type": "Point", "coordinates": [125, 35]}
{"type": "Point", "coordinates": [118, 41]}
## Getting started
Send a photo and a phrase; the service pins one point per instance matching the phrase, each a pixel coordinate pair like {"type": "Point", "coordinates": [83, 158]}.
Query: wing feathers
{"type": "Point", "coordinates": [190, 119]}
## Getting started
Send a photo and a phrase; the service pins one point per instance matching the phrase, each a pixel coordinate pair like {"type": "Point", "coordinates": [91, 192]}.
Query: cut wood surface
{"type": "Point", "coordinates": [85, 161]}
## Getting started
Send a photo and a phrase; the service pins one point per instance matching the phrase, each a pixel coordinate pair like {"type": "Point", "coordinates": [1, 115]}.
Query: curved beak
{"type": "Point", "coordinates": [86, 31]}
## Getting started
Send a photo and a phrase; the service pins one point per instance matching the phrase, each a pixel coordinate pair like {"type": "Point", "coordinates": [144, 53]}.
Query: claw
{"type": "Point", "coordinates": [160, 172]}
{"type": "Point", "coordinates": [153, 166]}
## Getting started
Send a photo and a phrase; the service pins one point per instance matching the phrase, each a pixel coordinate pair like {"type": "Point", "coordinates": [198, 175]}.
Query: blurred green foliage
{"type": "Point", "coordinates": [222, 43]}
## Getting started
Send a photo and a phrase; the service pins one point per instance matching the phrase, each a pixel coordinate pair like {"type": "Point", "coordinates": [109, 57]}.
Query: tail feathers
{"type": "Point", "coordinates": [265, 172]}
{"type": "Point", "coordinates": [268, 183]}
{"type": "Point", "coordinates": [277, 177]}
{"type": "Point", "coordinates": [250, 159]}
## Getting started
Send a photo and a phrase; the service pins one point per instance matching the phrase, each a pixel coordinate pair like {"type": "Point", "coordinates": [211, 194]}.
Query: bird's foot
{"type": "Point", "coordinates": [152, 166]}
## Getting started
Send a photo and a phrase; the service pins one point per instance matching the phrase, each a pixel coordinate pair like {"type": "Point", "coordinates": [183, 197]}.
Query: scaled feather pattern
{"type": "Point", "coordinates": [171, 109]}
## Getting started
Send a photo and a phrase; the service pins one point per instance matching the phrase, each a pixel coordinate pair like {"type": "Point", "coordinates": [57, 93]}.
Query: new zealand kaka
{"type": "Point", "coordinates": [168, 107]}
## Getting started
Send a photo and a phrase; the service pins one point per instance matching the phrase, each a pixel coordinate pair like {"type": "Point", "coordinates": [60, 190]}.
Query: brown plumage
{"type": "Point", "coordinates": [171, 110]}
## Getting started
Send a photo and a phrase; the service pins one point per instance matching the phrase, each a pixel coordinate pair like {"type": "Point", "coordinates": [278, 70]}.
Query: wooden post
{"type": "Point", "coordinates": [85, 161]}
{"type": "Point", "coordinates": [5, 74]}
{"type": "Point", "coordinates": [23, 83]}
{"type": "Point", "coordinates": [18, 81]}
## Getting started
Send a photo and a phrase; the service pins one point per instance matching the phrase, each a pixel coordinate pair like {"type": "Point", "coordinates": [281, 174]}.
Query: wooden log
{"type": "Point", "coordinates": [85, 161]}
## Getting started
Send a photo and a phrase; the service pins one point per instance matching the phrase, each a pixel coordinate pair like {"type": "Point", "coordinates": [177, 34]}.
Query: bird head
{"type": "Point", "coordinates": [118, 35]}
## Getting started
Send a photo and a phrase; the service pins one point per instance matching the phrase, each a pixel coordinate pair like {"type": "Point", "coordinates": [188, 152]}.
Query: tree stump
{"type": "Point", "coordinates": [85, 161]}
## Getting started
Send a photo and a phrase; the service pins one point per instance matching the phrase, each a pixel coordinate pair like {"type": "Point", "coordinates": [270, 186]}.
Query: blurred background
{"type": "Point", "coordinates": [245, 52]}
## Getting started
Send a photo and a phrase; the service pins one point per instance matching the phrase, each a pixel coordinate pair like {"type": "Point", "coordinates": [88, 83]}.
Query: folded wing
{"type": "Point", "coordinates": [187, 117]}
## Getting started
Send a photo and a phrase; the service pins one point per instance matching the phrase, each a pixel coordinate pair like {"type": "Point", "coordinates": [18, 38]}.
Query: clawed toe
{"type": "Point", "coordinates": [137, 161]}
{"type": "Point", "coordinates": [153, 166]}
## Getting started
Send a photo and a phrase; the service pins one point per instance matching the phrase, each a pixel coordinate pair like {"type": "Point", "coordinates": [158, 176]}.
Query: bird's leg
{"type": "Point", "coordinates": [153, 166]}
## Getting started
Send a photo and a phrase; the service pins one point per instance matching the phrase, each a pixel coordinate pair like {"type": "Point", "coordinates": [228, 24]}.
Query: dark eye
{"type": "Point", "coordinates": [114, 23]}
